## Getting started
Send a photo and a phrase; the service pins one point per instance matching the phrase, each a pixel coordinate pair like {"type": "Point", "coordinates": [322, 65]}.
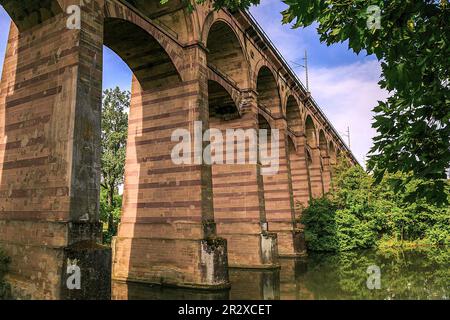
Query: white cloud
{"type": "Point", "coordinates": [268, 15]}
{"type": "Point", "coordinates": [347, 94]}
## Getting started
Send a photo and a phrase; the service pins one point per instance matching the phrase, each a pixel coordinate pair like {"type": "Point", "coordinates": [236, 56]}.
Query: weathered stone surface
{"type": "Point", "coordinates": [94, 262]}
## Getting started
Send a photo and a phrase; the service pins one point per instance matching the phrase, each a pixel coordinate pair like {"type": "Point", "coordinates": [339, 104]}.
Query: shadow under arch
{"type": "Point", "coordinates": [264, 124]}
{"type": "Point", "coordinates": [309, 164]}
{"type": "Point", "coordinates": [310, 131]}
{"type": "Point", "coordinates": [323, 144]}
{"type": "Point", "coordinates": [226, 55]}
{"type": "Point", "coordinates": [147, 59]}
{"type": "Point", "coordinates": [332, 152]}
{"type": "Point", "coordinates": [221, 104]}
{"type": "Point", "coordinates": [172, 15]}
{"type": "Point", "coordinates": [293, 116]}
{"type": "Point", "coordinates": [268, 93]}
{"type": "Point", "coordinates": [324, 162]}
{"type": "Point", "coordinates": [333, 161]}
{"type": "Point", "coordinates": [29, 13]}
{"type": "Point", "coordinates": [154, 8]}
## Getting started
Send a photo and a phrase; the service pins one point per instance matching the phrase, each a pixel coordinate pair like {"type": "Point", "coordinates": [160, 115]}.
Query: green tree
{"type": "Point", "coordinates": [413, 45]}
{"type": "Point", "coordinates": [114, 138]}
{"type": "Point", "coordinates": [358, 214]}
{"type": "Point", "coordinates": [353, 216]}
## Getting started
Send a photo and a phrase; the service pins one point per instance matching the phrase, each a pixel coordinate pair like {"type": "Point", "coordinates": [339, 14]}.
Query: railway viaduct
{"type": "Point", "coordinates": [182, 225]}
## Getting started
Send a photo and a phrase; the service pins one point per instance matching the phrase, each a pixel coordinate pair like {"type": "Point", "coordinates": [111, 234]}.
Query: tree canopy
{"type": "Point", "coordinates": [358, 214]}
{"type": "Point", "coordinates": [114, 138]}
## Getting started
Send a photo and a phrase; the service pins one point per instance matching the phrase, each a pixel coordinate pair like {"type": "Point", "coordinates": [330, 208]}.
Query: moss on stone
{"type": "Point", "coordinates": [5, 289]}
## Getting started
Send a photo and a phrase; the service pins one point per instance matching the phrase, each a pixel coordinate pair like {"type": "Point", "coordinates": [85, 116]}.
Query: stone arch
{"type": "Point", "coordinates": [27, 14]}
{"type": "Point", "coordinates": [147, 59]}
{"type": "Point", "coordinates": [255, 70]}
{"type": "Point", "coordinates": [226, 54]}
{"type": "Point", "coordinates": [323, 144]}
{"type": "Point", "coordinates": [221, 104]}
{"type": "Point", "coordinates": [332, 152]}
{"type": "Point", "coordinates": [172, 48]}
{"type": "Point", "coordinates": [293, 116]}
{"type": "Point", "coordinates": [268, 91]}
{"type": "Point", "coordinates": [310, 131]}
{"type": "Point", "coordinates": [211, 17]}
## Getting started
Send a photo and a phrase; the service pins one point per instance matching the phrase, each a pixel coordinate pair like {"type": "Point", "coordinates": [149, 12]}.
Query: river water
{"type": "Point", "coordinates": [382, 274]}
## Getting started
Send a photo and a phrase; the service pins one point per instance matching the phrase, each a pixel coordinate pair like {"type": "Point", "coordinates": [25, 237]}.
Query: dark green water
{"type": "Point", "coordinates": [404, 274]}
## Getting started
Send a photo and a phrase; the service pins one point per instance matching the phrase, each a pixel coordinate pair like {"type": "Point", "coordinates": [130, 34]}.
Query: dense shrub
{"type": "Point", "coordinates": [320, 222]}
{"type": "Point", "coordinates": [358, 213]}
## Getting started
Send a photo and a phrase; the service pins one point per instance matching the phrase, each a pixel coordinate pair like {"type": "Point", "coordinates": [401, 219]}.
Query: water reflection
{"type": "Point", "coordinates": [405, 274]}
{"type": "Point", "coordinates": [138, 291]}
{"type": "Point", "coordinates": [291, 274]}
{"type": "Point", "coordinates": [255, 284]}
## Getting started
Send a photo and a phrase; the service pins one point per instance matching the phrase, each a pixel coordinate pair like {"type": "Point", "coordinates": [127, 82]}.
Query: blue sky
{"type": "Point", "coordinates": [344, 84]}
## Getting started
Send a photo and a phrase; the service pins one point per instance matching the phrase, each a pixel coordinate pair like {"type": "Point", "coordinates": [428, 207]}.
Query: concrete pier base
{"type": "Point", "coordinates": [184, 263]}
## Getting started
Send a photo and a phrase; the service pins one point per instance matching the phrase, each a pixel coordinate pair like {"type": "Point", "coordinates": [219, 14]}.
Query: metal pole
{"type": "Point", "coordinates": [306, 70]}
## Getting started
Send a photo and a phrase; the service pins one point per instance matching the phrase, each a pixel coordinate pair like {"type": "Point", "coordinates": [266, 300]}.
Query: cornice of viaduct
{"type": "Point", "coordinates": [247, 26]}
{"type": "Point", "coordinates": [179, 32]}
{"type": "Point", "coordinates": [289, 77]}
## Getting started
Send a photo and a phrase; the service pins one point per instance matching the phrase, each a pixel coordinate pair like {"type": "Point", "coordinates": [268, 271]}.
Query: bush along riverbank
{"type": "Point", "coordinates": [5, 290]}
{"type": "Point", "coordinates": [361, 214]}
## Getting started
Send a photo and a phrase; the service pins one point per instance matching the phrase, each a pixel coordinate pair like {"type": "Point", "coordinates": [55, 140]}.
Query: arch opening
{"type": "Point", "coordinates": [221, 104]}
{"type": "Point", "coordinates": [139, 56]}
{"type": "Point", "coordinates": [332, 152]}
{"type": "Point", "coordinates": [293, 117]}
{"type": "Point", "coordinates": [29, 13]}
{"type": "Point", "coordinates": [323, 144]}
{"type": "Point", "coordinates": [149, 62]}
{"type": "Point", "coordinates": [310, 130]}
{"type": "Point", "coordinates": [268, 94]}
{"type": "Point", "coordinates": [263, 124]}
{"type": "Point", "coordinates": [226, 55]}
